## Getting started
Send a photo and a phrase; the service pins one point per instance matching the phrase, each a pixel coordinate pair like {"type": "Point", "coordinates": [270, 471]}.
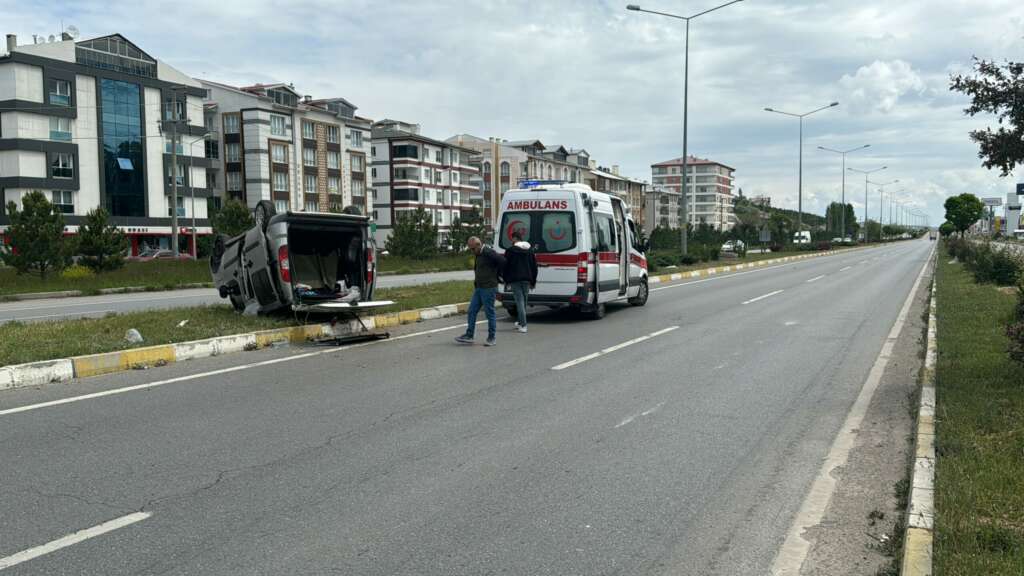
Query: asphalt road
{"type": "Point", "coordinates": [688, 452]}
{"type": "Point", "coordinates": [95, 306]}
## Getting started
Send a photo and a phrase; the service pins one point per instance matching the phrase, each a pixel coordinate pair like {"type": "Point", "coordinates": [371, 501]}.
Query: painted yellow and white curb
{"type": "Point", "coordinates": [65, 369]}
{"type": "Point", "coordinates": [917, 544]}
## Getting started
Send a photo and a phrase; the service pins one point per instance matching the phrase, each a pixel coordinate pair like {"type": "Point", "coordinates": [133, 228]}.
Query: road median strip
{"type": "Point", "coordinates": [67, 369]}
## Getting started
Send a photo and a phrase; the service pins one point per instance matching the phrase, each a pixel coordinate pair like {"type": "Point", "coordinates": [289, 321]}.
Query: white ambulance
{"type": "Point", "coordinates": [587, 246]}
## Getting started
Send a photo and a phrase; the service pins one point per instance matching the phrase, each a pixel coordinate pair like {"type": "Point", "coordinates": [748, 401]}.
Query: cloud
{"type": "Point", "coordinates": [879, 86]}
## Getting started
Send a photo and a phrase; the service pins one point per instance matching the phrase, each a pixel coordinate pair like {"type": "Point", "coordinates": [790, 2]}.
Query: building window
{"type": "Point", "coordinates": [308, 131]}
{"type": "Point", "coordinates": [356, 163]}
{"type": "Point", "coordinates": [234, 181]}
{"type": "Point", "coordinates": [375, 215]}
{"type": "Point", "coordinates": [180, 172]}
{"type": "Point", "coordinates": [63, 200]}
{"type": "Point", "coordinates": [406, 194]}
{"type": "Point", "coordinates": [504, 169]}
{"type": "Point", "coordinates": [405, 151]}
{"type": "Point", "coordinates": [280, 181]}
{"type": "Point", "coordinates": [231, 123]}
{"type": "Point", "coordinates": [60, 92]}
{"type": "Point", "coordinates": [373, 151]}
{"type": "Point", "coordinates": [310, 205]}
{"type": "Point", "coordinates": [174, 110]}
{"type": "Point", "coordinates": [437, 156]}
{"type": "Point", "coordinates": [62, 166]}
{"type": "Point", "coordinates": [332, 184]}
{"type": "Point", "coordinates": [309, 156]}
{"type": "Point", "coordinates": [455, 198]}
{"type": "Point", "coordinates": [373, 173]}
{"type": "Point", "coordinates": [279, 153]}
{"type": "Point", "coordinates": [427, 175]}
{"type": "Point", "coordinates": [168, 149]}
{"type": "Point", "coordinates": [332, 133]}
{"type": "Point", "coordinates": [211, 180]}
{"type": "Point", "coordinates": [357, 138]}
{"type": "Point", "coordinates": [60, 128]}
{"type": "Point", "coordinates": [280, 206]}
{"type": "Point", "coordinates": [333, 160]}
{"type": "Point", "coordinates": [181, 206]}
{"type": "Point", "coordinates": [524, 170]}
{"type": "Point", "coordinates": [455, 177]}
{"type": "Point", "coordinates": [310, 183]}
{"type": "Point", "coordinates": [232, 152]}
{"type": "Point", "coordinates": [212, 149]}
{"type": "Point", "coordinates": [277, 125]}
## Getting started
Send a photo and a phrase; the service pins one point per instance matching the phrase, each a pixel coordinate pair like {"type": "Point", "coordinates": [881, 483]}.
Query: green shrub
{"type": "Point", "coordinates": [688, 259]}
{"type": "Point", "coordinates": [77, 272]}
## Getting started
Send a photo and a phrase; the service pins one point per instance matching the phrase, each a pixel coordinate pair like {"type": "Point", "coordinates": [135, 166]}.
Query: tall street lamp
{"type": "Point", "coordinates": [843, 153]}
{"type": "Point", "coordinates": [881, 192]}
{"type": "Point", "coordinates": [800, 174]}
{"type": "Point", "coordinates": [686, 96]}
{"type": "Point", "coordinates": [867, 173]}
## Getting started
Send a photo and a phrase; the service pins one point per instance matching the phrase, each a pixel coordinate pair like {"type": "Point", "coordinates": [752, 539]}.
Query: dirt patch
{"type": "Point", "coordinates": [861, 532]}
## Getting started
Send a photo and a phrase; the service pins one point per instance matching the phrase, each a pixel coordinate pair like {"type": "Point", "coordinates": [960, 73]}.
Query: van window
{"type": "Point", "coordinates": [606, 238]}
{"type": "Point", "coordinates": [547, 231]}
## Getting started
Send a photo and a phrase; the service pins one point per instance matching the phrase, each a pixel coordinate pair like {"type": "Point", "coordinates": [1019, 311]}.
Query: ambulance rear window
{"type": "Point", "coordinates": [547, 231]}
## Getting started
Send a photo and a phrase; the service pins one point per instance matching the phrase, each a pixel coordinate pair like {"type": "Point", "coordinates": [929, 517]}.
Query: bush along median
{"type": "Point", "coordinates": [979, 491]}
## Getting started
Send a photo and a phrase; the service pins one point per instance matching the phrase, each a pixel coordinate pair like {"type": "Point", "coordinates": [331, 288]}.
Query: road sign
{"type": "Point", "coordinates": [992, 201]}
{"type": "Point", "coordinates": [765, 235]}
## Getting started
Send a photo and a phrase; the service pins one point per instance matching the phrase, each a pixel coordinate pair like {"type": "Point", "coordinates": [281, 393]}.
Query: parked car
{"type": "Point", "coordinates": [150, 254]}
{"type": "Point", "coordinates": [802, 237]}
{"type": "Point", "coordinates": [837, 240]}
{"type": "Point", "coordinates": [302, 261]}
{"type": "Point", "coordinates": [733, 246]}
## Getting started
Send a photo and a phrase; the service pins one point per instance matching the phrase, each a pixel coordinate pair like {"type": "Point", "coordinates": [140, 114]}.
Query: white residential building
{"type": "Point", "coordinates": [709, 192]}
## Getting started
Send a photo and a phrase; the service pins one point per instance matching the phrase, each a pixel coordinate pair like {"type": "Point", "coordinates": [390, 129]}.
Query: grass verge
{"type": "Point", "coordinates": [153, 275]}
{"type": "Point", "coordinates": [444, 263]}
{"type": "Point", "coordinates": [30, 342]}
{"type": "Point", "coordinates": [979, 494]}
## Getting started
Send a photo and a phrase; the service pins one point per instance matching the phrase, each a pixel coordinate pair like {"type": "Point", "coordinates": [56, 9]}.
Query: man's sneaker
{"type": "Point", "coordinates": [464, 339]}
{"type": "Point", "coordinates": [522, 329]}
{"type": "Point", "coordinates": [490, 342]}
{"type": "Point", "coordinates": [517, 323]}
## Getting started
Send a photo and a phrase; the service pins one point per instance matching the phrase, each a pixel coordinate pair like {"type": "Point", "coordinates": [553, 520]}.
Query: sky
{"type": "Point", "coordinates": [590, 74]}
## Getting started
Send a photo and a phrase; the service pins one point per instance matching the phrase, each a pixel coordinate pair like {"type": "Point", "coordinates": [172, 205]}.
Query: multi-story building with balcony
{"type": "Point", "coordinates": [410, 171]}
{"type": "Point", "coordinates": [661, 209]}
{"type": "Point", "coordinates": [709, 190]}
{"type": "Point", "coordinates": [89, 123]}
{"type": "Point", "coordinates": [268, 142]}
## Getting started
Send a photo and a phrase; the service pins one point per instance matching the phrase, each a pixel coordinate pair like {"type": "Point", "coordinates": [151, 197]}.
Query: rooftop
{"type": "Point", "coordinates": [691, 161]}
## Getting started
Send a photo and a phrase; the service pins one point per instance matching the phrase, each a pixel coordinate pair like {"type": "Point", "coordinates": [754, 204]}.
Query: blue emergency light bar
{"type": "Point", "coordinates": [536, 183]}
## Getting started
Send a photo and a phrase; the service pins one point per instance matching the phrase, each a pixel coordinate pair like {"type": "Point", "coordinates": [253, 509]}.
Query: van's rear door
{"type": "Point", "coordinates": [549, 221]}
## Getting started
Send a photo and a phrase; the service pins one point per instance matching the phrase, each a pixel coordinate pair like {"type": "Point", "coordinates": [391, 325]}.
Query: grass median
{"type": "Point", "coordinates": [159, 275]}
{"type": "Point", "coordinates": [441, 263]}
{"type": "Point", "coordinates": [979, 494]}
{"type": "Point", "coordinates": [34, 341]}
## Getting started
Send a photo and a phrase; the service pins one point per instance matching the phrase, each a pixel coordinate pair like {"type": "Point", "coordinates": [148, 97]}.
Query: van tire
{"type": "Point", "coordinates": [262, 214]}
{"type": "Point", "coordinates": [641, 296]}
{"type": "Point", "coordinates": [237, 302]}
{"type": "Point", "coordinates": [597, 312]}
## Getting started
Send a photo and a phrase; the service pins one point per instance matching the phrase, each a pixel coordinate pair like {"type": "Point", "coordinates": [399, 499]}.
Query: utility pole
{"type": "Point", "coordinates": [174, 177]}
{"type": "Point", "coordinates": [866, 173]}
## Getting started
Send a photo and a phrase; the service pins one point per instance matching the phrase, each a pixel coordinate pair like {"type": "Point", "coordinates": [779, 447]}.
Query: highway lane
{"type": "Point", "coordinates": [97, 306]}
{"type": "Point", "coordinates": [685, 453]}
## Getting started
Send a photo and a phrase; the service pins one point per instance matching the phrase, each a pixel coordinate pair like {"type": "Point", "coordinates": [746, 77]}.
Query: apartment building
{"type": "Point", "coordinates": [269, 142]}
{"type": "Point", "coordinates": [89, 123]}
{"type": "Point", "coordinates": [661, 208]}
{"type": "Point", "coordinates": [709, 190]}
{"type": "Point", "coordinates": [410, 171]}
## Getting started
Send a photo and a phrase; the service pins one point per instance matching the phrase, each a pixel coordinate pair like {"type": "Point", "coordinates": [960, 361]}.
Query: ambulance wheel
{"type": "Point", "coordinates": [641, 297]}
{"type": "Point", "coordinates": [512, 312]}
{"type": "Point", "coordinates": [597, 312]}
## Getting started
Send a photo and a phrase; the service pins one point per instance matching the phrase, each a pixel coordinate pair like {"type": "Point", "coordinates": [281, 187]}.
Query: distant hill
{"type": "Point", "coordinates": [749, 213]}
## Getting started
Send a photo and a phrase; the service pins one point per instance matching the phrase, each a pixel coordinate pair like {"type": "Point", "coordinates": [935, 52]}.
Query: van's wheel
{"type": "Point", "coordinates": [262, 213]}
{"type": "Point", "coordinates": [597, 312]}
{"type": "Point", "coordinates": [237, 302]}
{"type": "Point", "coordinates": [641, 297]}
{"type": "Point", "coordinates": [512, 311]}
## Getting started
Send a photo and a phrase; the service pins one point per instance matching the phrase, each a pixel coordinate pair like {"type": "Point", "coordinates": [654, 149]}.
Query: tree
{"type": "Point", "coordinates": [873, 230]}
{"type": "Point", "coordinates": [964, 210]}
{"type": "Point", "coordinates": [36, 236]}
{"type": "Point", "coordinates": [996, 89]}
{"type": "Point", "coordinates": [465, 228]}
{"type": "Point", "coordinates": [100, 243]}
{"type": "Point", "coordinates": [232, 219]}
{"type": "Point", "coordinates": [413, 235]}
{"type": "Point", "coordinates": [947, 229]}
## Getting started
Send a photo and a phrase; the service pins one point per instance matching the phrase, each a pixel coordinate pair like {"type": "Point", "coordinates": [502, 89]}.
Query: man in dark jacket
{"type": "Point", "coordinates": [520, 274]}
{"type": "Point", "coordinates": [487, 271]}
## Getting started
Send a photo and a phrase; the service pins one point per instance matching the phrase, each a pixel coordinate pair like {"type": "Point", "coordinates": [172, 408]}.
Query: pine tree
{"type": "Point", "coordinates": [413, 235]}
{"type": "Point", "coordinates": [35, 236]}
{"type": "Point", "coordinates": [233, 219]}
{"type": "Point", "coordinates": [100, 243]}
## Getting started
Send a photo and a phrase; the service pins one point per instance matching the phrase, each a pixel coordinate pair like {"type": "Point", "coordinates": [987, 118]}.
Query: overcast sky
{"type": "Point", "coordinates": [587, 73]}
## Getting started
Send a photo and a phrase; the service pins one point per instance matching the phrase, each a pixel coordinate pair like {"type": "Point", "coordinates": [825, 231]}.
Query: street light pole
{"type": "Point", "coordinates": [881, 192]}
{"type": "Point", "coordinates": [843, 153]}
{"type": "Point", "coordinates": [686, 97]}
{"type": "Point", "coordinates": [800, 173]}
{"type": "Point", "coordinates": [866, 173]}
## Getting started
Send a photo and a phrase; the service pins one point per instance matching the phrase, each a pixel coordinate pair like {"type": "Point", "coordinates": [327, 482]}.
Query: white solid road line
{"type": "Point", "coordinates": [795, 548]}
{"type": "Point", "coordinates": [845, 269]}
{"type": "Point", "coordinates": [218, 372]}
{"type": "Point", "coordinates": [816, 278]}
{"type": "Point", "coordinates": [763, 296]}
{"type": "Point", "coordinates": [73, 538]}
{"type": "Point", "coordinates": [611, 349]}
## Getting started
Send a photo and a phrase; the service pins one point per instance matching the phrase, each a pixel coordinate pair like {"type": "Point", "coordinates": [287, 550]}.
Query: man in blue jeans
{"type": "Point", "coordinates": [520, 274]}
{"type": "Point", "coordinates": [487, 271]}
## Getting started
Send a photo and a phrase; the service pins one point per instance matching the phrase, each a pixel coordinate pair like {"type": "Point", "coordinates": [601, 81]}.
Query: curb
{"type": "Point", "coordinates": [917, 543]}
{"type": "Point", "coordinates": [66, 369]}
{"type": "Point", "coordinates": [78, 293]}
